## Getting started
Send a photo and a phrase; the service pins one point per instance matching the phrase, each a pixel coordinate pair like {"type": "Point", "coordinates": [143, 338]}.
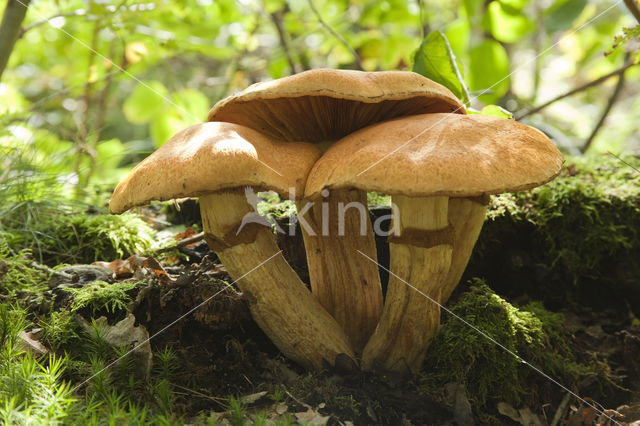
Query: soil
{"type": "Point", "coordinates": [222, 352]}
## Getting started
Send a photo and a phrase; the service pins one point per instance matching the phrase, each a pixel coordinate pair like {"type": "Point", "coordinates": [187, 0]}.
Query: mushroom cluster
{"type": "Point", "coordinates": [325, 138]}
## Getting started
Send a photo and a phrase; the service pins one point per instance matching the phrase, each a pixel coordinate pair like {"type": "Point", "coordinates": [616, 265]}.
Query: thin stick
{"type": "Point", "coordinates": [578, 89]}
{"type": "Point", "coordinates": [605, 113]}
{"type": "Point", "coordinates": [276, 18]}
{"type": "Point", "coordinates": [336, 35]}
{"type": "Point", "coordinates": [561, 409]}
{"type": "Point", "coordinates": [634, 8]}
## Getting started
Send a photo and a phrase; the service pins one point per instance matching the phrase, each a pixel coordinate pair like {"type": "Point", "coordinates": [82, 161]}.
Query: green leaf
{"type": "Point", "coordinates": [457, 33]}
{"type": "Point", "coordinates": [507, 24]}
{"type": "Point", "coordinates": [515, 4]}
{"type": "Point", "coordinates": [109, 154]}
{"type": "Point", "coordinates": [435, 60]}
{"type": "Point", "coordinates": [562, 13]}
{"type": "Point", "coordinates": [489, 70]}
{"type": "Point", "coordinates": [493, 111]}
{"type": "Point", "coordinates": [146, 101]}
{"type": "Point", "coordinates": [192, 105]}
{"type": "Point", "coordinates": [162, 128]}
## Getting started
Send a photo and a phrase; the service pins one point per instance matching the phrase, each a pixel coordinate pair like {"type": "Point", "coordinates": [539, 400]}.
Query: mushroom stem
{"type": "Point", "coordinates": [279, 302]}
{"type": "Point", "coordinates": [346, 284]}
{"type": "Point", "coordinates": [420, 258]}
{"type": "Point", "coordinates": [466, 216]}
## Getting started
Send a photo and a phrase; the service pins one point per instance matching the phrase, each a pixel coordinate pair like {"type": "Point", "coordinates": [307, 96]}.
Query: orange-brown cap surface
{"type": "Point", "coordinates": [210, 157]}
{"type": "Point", "coordinates": [324, 104]}
{"type": "Point", "coordinates": [438, 154]}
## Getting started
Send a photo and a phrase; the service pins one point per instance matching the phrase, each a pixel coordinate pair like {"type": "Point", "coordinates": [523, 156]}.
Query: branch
{"type": "Point", "coordinates": [578, 89]}
{"type": "Point", "coordinates": [77, 12]}
{"type": "Point", "coordinates": [612, 100]}
{"type": "Point", "coordinates": [276, 17]}
{"type": "Point", "coordinates": [10, 29]}
{"type": "Point", "coordinates": [634, 8]}
{"type": "Point", "coordinates": [336, 35]}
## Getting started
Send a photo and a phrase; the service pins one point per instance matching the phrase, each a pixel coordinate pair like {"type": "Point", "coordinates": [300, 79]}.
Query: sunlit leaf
{"type": "Point", "coordinates": [145, 102]}
{"type": "Point", "coordinates": [192, 105]}
{"type": "Point", "coordinates": [489, 70]}
{"type": "Point", "coordinates": [562, 13]}
{"type": "Point", "coordinates": [506, 23]}
{"type": "Point", "coordinates": [435, 60]}
{"type": "Point", "coordinates": [493, 111]}
{"type": "Point", "coordinates": [161, 129]}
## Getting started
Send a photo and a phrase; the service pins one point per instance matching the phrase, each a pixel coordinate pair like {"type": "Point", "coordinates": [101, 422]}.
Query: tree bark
{"type": "Point", "coordinates": [12, 19]}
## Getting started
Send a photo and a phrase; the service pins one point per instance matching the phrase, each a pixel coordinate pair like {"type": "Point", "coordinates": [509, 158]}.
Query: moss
{"type": "Point", "coordinates": [569, 240]}
{"type": "Point", "coordinates": [63, 232]}
{"type": "Point", "coordinates": [16, 273]}
{"type": "Point", "coordinates": [60, 329]}
{"type": "Point", "coordinates": [597, 196]}
{"type": "Point", "coordinates": [100, 296]}
{"type": "Point", "coordinates": [497, 372]}
{"type": "Point", "coordinates": [101, 237]}
{"type": "Point", "coordinates": [274, 207]}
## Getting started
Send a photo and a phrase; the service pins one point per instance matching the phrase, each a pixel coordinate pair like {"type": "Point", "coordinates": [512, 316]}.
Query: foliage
{"type": "Point", "coordinates": [100, 296]}
{"type": "Point", "coordinates": [434, 59]}
{"type": "Point", "coordinates": [36, 390]}
{"type": "Point", "coordinates": [16, 273]}
{"type": "Point", "coordinates": [497, 371]}
{"type": "Point", "coordinates": [61, 236]}
{"type": "Point", "coordinates": [598, 195]}
{"type": "Point", "coordinates": [629, 36]}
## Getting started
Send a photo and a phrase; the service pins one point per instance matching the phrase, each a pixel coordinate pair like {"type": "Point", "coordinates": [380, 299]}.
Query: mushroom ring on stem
{"type": "Point", "coordinates": [323, 106]}
{"type": "Point", "coordinates": [216, 161]}
{"type": "Point", "coordinates": [439, 169]}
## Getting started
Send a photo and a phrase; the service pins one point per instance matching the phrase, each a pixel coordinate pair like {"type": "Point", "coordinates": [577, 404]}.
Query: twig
{"type": "Point", "coordinates": [73, 13]}
{"type": "Point", "coordinates": [182, 243]}
{"type": "Point", "coordinates": [336, 35]}
{"type": "Point", "coordinates": [424, 24]}
{"type": "Point", "coordinates": [634, 8]}
{"type": "Point", "coordinates": [276, 17]}
{"type": "Point", "coordinates": [561, 409]}
{"type": "Point", "coordinates": [45, 268]}
{"type": "Point", "coordinates": [12, 19]}
{"type": "Point", "coordinates": [622, 161]}
{"type": "Point", "coordinates": [578, 89]}
{"type": "Point", "coordinates": [612, 100]}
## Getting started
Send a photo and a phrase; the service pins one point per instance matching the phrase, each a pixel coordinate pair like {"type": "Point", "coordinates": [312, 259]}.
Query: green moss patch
{"type": "Point", "coordinates": [493, 367]}
{"type": "Point", "coordinates": [16, 272]}
{"type": "Point", "coordinates": [569, 240]}
{"type": "Point", "coordinates": [64, 235]}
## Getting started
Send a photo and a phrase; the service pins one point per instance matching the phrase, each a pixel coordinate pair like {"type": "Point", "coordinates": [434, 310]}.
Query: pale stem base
{"type": "Point", "coordinates": [345, 283]}
{"type": "Point", "coordinates": [279, 302]}
{"type": "Point", "coordinates": [409, 319]}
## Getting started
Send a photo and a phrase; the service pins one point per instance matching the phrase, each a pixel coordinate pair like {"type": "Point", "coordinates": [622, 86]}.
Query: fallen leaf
{"type": "Point", "coordinates": [524, 415]}
{"type": "Point", "coordinates": [507, 410]}
{"type": "Point", "coordinates": [123, 333]}
{"type": "Point", "coordinates": [312, 417]}
{"type": "Point", "coordinates": [29, 342]}
{"type": "Point", "coordinates": [250, 399]}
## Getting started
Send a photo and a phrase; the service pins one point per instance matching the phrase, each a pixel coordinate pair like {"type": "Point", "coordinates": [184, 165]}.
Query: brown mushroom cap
{"type": "Point", "coordinates": [210, 157]}
{"type": "Point", "coordinates": [323, 104]}
{"type": "Point", "coordinates": [438, 154]}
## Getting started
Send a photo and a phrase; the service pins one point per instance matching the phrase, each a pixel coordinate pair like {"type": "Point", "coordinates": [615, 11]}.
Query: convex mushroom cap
{"type": "Point", "coordinates": [438, 154]}
{"type": "Point", "coordinates": [324, 105]}
{"type": "Point", "coordinates": [209, 157]}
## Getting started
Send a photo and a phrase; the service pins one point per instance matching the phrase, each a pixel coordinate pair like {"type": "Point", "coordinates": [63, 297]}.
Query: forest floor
{"type": "Point", "coordinates": [167, 338]}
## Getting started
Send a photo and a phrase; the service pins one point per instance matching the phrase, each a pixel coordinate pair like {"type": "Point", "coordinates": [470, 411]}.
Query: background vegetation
{"type": "Point", "coordinates": [88, 88]}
